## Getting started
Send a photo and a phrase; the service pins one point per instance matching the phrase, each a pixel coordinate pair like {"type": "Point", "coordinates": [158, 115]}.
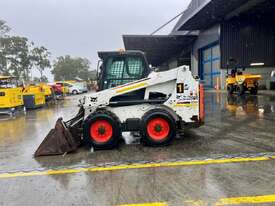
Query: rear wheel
{"type": "Point", "coordinates": [158, 128]}
{"type": "Point", "coordinates": [102, 130]}
{"type": "Point", "coordinates": [240, 89]}
{"type": "Point", "coordinates": [254, 91]}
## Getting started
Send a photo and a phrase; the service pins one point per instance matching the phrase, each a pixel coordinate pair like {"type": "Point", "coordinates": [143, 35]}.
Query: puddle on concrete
{"type": "Point", "coordinates": [233, 125]}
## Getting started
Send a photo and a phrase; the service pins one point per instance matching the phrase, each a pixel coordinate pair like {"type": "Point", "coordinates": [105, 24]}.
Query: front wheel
{"type": "Point", "coordinates": [254, 91]}
{"type": "Point", "coordinates": [158, 128]}
{"type": "Point", "coordinates": [74, 92]}
{"type": "Point", "coordinates": [102, 130]}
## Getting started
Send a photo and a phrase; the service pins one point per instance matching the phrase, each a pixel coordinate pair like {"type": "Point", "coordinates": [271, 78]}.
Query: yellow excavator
{"type": "Point", "coordinates": [11, 95]}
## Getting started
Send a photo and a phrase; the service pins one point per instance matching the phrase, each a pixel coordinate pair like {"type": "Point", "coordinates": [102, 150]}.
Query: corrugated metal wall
{"type": "Point", "coordinates": [248, 41]}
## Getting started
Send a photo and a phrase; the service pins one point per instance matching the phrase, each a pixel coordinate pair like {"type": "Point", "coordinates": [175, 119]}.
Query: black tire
{"type": "Point", "coordinates": [230, 89]}
{"type": "Point", "coordinates": [113, 122]}
{"type": "Point", "coordinates": [240, 89]}
{"type": "Point", "coordinates": [254, 91]}
{"type": "Point", "coordinates": [74, 92]}
{"type": "Point", "coordinates": [154, 114]}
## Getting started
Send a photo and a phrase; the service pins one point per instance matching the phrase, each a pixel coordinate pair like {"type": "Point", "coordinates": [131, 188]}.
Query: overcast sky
{"type": "Point", "coordinates": [83, 27]}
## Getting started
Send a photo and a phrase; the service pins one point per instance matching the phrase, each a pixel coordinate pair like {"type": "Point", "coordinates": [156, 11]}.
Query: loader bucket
{"type": "Point", "coordinates": [58, 141]}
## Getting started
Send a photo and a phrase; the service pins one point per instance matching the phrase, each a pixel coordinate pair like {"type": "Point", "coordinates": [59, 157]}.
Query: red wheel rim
{"type": "Point", "coordinates": [158, 128]}
{"type": "Point", "coordinates": [101, 131]}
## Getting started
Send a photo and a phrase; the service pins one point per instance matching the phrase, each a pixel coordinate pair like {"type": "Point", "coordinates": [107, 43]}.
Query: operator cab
{"type": "Point", "coordinates": [236, 69]}
{"type": "Point", "coordinates": [117, 68]}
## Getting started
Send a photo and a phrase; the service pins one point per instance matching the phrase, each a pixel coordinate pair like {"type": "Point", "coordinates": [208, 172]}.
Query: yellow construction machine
{"type": "Point", "coordinates": [48, 91]}
{"type": "Point", "coordinates": [10, 95]}
{"type": "Point", "coordinates": [34, 97]}
{"type": "Point", "coordinates": [239, 82]}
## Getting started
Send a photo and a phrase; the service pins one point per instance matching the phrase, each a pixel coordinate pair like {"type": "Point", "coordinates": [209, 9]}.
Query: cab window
{"type": "Point", "coordinates": [122, 70]}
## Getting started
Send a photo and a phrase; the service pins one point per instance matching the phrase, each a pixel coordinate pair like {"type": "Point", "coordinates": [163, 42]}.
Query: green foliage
{"type": "Point", "coordinates": [40, 58]}
{"type": "Point", "coordinates": [41, 79]}
{"type": "Point", "coordinates": [4, 28]}
{"type": "Point", "coordinates": [68, 68]}
{"type": "Point", "coordinates": [44, 79]}
{"type": "Point", "coordinates": [93, 75]}
{"type": "Point", "coordinates": [15, 56]}
{"type": "Point", "coordinates": [18, 57]}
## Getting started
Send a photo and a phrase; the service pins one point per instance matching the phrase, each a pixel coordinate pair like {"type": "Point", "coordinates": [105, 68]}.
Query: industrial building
{"type": "Point", "coordinates": [209, 33]}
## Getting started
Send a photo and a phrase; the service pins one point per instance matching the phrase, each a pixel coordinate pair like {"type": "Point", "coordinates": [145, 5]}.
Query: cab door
{"type": "Point", "coordinates": [123, 69]}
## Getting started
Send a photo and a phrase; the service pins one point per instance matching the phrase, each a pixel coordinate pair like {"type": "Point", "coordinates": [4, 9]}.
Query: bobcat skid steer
{"type": "Point", "coordinates": [160, 104]}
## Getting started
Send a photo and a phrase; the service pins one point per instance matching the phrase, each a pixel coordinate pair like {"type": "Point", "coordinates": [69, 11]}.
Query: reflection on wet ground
{"type": "Point", "coordinates": [245, 105]}
{"type": "Point", "coordinates": [234, 126]}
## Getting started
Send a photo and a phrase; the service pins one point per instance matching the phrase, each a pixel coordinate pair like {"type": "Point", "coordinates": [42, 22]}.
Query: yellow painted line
{"type": "Point", "coordinates": [134, 86]}
{"type": "Point", "coordinates": [246, 200]}
{"type": "Point", "coordinates": [221, 202]}
{"type": "Point", "coordinates": [133, 166]}
{"type": "Point", "coordinates": [147, 204]}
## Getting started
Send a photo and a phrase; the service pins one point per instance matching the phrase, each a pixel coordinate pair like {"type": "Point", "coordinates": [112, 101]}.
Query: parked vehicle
{"type": "Point", "coordinates": [34, 97]}
{"type": "Point", "coordinates": [84, 86]}
{"type": "Point", "coordinates": [77, 87]}
{"type": "Point", "coordinates": [11, 96]}
{"type": "Point", "coordinates": [57, 89]}
{"type": "Point", "coordinates": [64, 86]}
{"type": "Point", "coordinates": [239, 82]}
{"type": "Point", "coordinates": [48, 91]}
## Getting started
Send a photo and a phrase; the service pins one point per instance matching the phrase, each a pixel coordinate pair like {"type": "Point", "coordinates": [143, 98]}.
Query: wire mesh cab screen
{"type": "Point", "coordinates": [122, 70]}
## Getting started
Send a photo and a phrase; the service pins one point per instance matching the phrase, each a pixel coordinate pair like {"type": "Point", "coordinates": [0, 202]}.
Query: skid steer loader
{"type": "Point", "coordinates": [155, 106]}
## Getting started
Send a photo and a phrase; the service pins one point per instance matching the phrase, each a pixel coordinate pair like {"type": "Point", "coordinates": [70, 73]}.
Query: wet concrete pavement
{"type": "Point", "coordinates": [235, 127]}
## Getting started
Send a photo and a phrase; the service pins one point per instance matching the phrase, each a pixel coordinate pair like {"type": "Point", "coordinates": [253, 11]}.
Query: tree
{"type": "Point", "coordinates": [41, 79]}
{"type": "Point", "coordinates": [93, 75]}
{"type": "Point", "coordinates": [4, 28]}
{"type": "Point", "coordinates": [68, 68]}
{"type": "Point", "coordinates": [40, 57]}
{"type": "Point", "coordinates": [15, 56]}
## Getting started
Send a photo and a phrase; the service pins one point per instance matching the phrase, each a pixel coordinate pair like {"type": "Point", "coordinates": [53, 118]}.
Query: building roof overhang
{"type": "Point", "coordinates": [159, 48]}
{"type": "Point", "coordinates": [210, 12]}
